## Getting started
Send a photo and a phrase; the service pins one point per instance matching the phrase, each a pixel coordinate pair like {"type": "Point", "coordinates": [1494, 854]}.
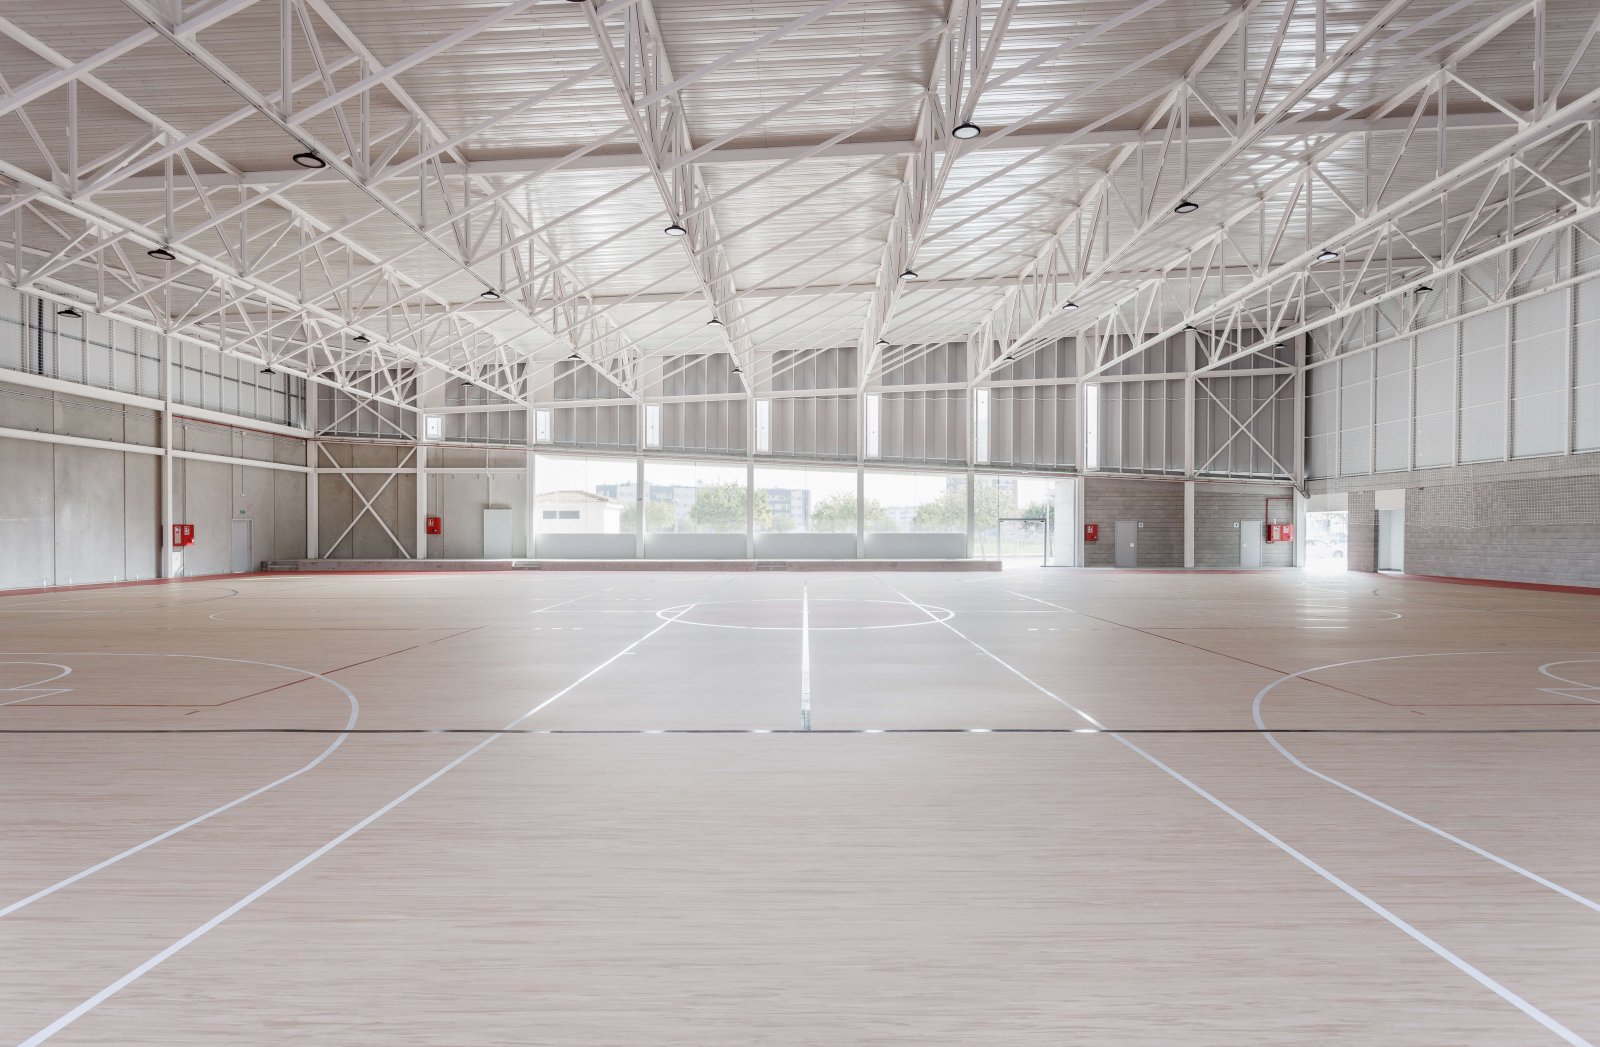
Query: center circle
{"type": "Point", "coordinates": [821, 614]}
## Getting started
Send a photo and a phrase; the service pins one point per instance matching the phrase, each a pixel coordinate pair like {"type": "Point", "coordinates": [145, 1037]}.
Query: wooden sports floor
{"type": "Point", "coordinates": [1038, 807]}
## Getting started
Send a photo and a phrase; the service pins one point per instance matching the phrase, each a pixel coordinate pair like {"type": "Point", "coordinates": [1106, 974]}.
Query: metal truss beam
{"type": "Point", "coordinates": [1090, 140]}
{"type": "Point", "coordinates": [1081, 265]}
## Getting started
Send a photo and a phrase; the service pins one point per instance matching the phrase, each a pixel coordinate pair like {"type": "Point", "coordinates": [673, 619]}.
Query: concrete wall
{"type": "Point", "coordinates": [75, 514]}
{"type": "Point", "coordinates": [459, 500]}
{"type": "Point", "coordinates": [890, 545]}
{"type": "Point", "coordinates": [822, 546]}
{"type": "Point", "coordinates": [585, 546]}
{"type": "Point", "coordinates": [1219, 511]}
{"type": "Point", "coordinates": [211, 495]}
{"type": "Point", "coordinates": [1528, 521]}
{"type": "Point", "coordinates": [394, 502]}
{"type": "Point", "coordinates": [694, 547]}
{"type": "Point", "coordinates": [1158, 504]}
{"type": "Point", "coordinates": [81, 515]}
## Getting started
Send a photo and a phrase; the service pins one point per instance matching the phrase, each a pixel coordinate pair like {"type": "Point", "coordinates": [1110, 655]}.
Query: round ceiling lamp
{"type": "Point", "coordinates": [966, 130]}
{"type": "Point", "coordinates": [161, 254]}
{"type": "Point", "coordinates": [1186, 207]}
{"type": "Point", "coordinates": [675, 230]}
{"type": "Point", "coordinates": [309, 160]}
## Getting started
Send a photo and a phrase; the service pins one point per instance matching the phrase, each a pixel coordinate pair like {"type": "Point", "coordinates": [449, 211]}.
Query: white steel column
{"type": "Point", "coordinates": [1189, 391]}
{"type": "Point", "coordinates": [1188, 523]}
{"type": "Point", "coordinates": [1300, 503]}
{"type": "Point", "coordinates": [638, 502]}
{"type": "Point", "coordinates": [749, 510]}
{"type": "Point", "coordinates": [750, 478]}
{"type": "Point", "coordinates": [861, 512]}
{"type": "Point", "coordinates": [972, 513]}
{"type": "Point", "coordinates": [312, 482]}
{"type": "Point", "coordinates": [422, 501]}
{"type": "Point", "coordinates": [861, 475]}
{"type": "Point", "coordinates": [530, 525]}
{"type": "Point", "coordinates": [164, 561]}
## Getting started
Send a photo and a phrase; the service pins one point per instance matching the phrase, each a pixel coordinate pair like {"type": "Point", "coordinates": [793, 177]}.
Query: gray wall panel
{"type": "Point", "coordinates": [27, 514]}
{"type": "Point", "coordinates": [89, 515]}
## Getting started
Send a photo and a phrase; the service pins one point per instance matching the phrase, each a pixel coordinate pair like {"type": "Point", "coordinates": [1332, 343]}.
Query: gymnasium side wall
{"type": "Point", "coordinates": [1219, 512]}
{"type": "Point", "coordinates": [1535, 521]}
{"type": "Point", "coordinates": [1481, 403]}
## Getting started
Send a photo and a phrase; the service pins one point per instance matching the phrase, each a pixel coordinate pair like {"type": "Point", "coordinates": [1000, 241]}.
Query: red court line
{"type": "Point", "coordinates": [1495, 583]}
{"type": "Point", "coordinates": [43, 589]}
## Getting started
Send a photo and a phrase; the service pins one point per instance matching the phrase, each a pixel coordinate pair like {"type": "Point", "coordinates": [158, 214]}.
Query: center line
{"type": "Point", "coordinates": [805, 658]}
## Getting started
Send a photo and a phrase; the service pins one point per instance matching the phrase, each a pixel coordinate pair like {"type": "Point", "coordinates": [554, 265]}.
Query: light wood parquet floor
{"type": "Point", "coordinates": [1034, 808]}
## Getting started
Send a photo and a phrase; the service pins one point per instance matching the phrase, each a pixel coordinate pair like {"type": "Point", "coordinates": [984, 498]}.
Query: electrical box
{"type": "Point", "coordinates": [182, 535]}
{"type": "Point", "coordinates": [435, 525]}
{"type": "Point", "coordinates": [1280, 532]}
{"type": "Point", "coordinates": [1091, 532]}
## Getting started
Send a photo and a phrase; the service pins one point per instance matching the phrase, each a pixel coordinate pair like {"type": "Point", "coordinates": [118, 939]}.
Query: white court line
{"type": "Point", "coordinates": [1260, 722]}
{"type": "Point", "coordinates": [37, 685]}
{"type": "Point", "coordinates": [1575, 685]}
{"type": "Point", "coordinates": [805, 657]}
{"type": "Point", "coordinates": [1437, 949]}
{"type": "Point", "coordinates": [1443, 834]}
{"type": "Point", "coordinates": [178, 946]}
{"type": "Point", "coordinates": [355, 712]}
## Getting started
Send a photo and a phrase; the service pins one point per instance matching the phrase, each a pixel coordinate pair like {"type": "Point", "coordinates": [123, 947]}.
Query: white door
{"type": "Point", "coordinates": [497, 533]}
{"type": "Point", "coordinates": [1127, 543]}
{"type": "Point", "coordinates": [1064, 542]}
{"type": "Point", "coordinates": [1250, 539]}
{"type": "Point", "coordinates": [242, 558]}
{"type": "Point", "coordinates": [1391, 539]}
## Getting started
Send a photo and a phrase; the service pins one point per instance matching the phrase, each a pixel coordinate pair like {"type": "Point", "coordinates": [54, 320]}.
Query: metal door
{"type": "Point", "coordinates": [1250, 542]}
{"type": "Point", "coordinates": [497, 533]}
{"type": "Point", "coordinates": [1127, 543]}
{"type": "Point", "coordinates": [242, 558]}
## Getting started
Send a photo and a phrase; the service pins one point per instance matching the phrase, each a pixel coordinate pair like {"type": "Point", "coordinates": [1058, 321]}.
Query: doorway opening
{"type": "Point", "coordinates": [1327, 542]}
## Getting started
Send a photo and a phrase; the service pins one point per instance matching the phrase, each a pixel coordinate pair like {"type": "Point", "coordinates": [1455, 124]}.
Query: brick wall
{"type": "Point", "coordinates": [1218, 510]}
{"type": "Point", "coordinates": [1158, 504]}
{"type": "Point", "coordinates": [1534, 520]}
{"type": "Point", "coordinates": [1362, 552]}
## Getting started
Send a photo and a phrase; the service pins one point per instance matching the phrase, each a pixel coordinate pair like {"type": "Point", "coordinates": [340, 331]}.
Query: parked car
{"type": "Point", "coordinates": [1324, 549]}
